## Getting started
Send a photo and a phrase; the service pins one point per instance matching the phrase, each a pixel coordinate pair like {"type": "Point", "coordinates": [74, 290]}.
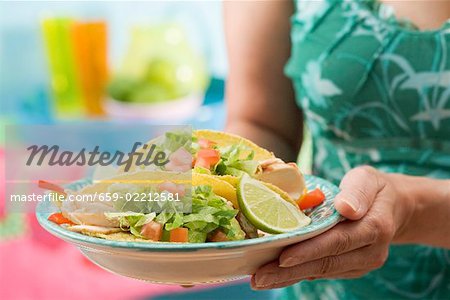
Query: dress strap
{"type": "Point", "coordinates": [310, 14]}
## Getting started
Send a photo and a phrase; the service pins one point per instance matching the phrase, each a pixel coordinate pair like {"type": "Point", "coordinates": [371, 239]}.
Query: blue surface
{"type": "Point", "coordinates": [215, 91]}
{"type": "Point", "coordinates": [37, 111]}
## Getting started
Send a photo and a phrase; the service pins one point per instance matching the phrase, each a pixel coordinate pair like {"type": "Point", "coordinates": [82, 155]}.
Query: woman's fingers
{"type": "Point", "coordinates": [273, 285]}
{"type": "Point", "coordinates": [367, 258]}
{"type": "Point", "coordinates": [359, 188]}
{"type": "Point", "coordinates": [343, 238]}
{"type": "Point", "coordinates": [339, 275]}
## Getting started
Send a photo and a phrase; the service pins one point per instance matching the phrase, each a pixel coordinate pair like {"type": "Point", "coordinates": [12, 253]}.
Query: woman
{"type": "Point", "coordinates": [374, 90]}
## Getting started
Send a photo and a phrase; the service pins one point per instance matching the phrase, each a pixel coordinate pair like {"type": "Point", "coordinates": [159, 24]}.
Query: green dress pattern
{"type": "Point", "coordinates": [374, 90]}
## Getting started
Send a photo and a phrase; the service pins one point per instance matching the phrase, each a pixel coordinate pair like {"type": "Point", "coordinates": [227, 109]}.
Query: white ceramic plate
{"type": "Point", "coordinates": [178, 263]}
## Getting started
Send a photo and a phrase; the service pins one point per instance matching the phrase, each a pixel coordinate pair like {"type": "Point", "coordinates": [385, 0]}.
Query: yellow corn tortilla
{"type": "Point", "coordinates": [124, 236]}
{"type": "Point", "coordinates": [234, 181]}
{"type": "Point", "coordinates": [141, 177]}
{"type": "Point", "coordinates": [227, 139]}
{"type": "Point", "coordinates": [219, 187]}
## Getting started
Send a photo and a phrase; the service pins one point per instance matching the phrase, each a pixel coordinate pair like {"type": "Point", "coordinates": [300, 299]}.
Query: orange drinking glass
{"type": "Point", "coordinates": [90, 51]}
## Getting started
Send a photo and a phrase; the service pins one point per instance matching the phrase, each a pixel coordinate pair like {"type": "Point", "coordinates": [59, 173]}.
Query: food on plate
{"type": "Point", "coordinates": [266, 209]}
{"type": "Point", "coordinates": [210, 214]}
{"type": "Point", "coordinates": [311, 199]}
{"type": "Point", "coordinates": [217, 187]}
{"type": "Point", "coordinates": [224, 154]}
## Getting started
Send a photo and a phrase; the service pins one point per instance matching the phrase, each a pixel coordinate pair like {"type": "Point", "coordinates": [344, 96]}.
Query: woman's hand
{"type": "Point", "coordinates": [377, 213]}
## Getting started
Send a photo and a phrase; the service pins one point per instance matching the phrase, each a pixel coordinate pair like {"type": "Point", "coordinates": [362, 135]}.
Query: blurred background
{"type": "Point", "coordinates": [64, 62]}
{"type": "Point", "coordinates": [109, 60]}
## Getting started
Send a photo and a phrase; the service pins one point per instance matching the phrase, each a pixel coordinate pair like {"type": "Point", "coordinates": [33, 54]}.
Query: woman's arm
{"type": "Point", "coordinates": [260, 98]}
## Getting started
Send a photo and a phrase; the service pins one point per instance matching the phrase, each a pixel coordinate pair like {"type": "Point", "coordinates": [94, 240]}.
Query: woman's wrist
{"type": "Point", "coordinates": [423, 205]}
{"type": "Point", "coordinates": [404, 204]}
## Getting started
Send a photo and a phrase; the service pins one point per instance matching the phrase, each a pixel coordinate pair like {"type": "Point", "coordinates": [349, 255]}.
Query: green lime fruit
{"type": "Point", "coordinates": [266, 209]}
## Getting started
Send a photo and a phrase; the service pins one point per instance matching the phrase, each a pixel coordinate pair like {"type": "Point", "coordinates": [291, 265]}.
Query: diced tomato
{"type": "Point", "coordinates": [152, 231]}
{"type": "Point", "coordinates": [179, 235]}
{"type": "Point", "coordinates": [212, 154]}
{"type": "Point", "coordinates": [200, 162]}
{"type": "Point", "coordinates": [59, 219]}
{"type": "Point", "coordinates": [311, 199]}
{"type": "Point", "coordinates": [218, 236]}
{"type": "Point", "coordinates": [205, 144]}
{"type": "Point", "coordinates": [51, 187]}
{"type": "Point", "coordinates": [207, 158]}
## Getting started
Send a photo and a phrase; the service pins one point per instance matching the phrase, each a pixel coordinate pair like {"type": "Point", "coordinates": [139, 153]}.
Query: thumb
{"type": "Point", "coordinates": [359, 188]}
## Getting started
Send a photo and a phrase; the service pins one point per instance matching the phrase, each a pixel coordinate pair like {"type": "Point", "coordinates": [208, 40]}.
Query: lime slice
{"type": "Point", "coordinates": [266, 209]}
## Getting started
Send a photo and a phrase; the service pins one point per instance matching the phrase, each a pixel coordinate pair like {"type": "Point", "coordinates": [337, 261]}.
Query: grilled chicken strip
{"type": "Point", "coordinates": [286, 176]}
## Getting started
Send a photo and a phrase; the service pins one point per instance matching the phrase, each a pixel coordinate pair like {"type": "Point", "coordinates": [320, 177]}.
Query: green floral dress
{"type": "Point", "coordinates": [374, 91]}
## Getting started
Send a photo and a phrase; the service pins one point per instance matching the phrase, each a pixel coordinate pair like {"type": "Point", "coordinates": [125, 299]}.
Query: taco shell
{"type": "Point", "coordinates": [123, 236]}
{"type": "Point", "coordinates": [234, 181]}
{"type": "Point", "coordinates": [227, 139]}
{"type": "Point", "coordinates": [220, 138]}
{"type": "Point", "coordinates": [142, 177]}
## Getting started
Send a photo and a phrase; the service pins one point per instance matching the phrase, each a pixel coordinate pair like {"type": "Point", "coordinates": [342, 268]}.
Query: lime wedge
{"type": "Point", "coordinates": [266, 209]}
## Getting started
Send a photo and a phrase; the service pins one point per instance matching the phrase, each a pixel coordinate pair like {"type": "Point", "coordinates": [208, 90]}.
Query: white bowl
{"type": "Point", "coordinates": [185, 263]}
{"type": "Point", "coordinates": [181, 108]}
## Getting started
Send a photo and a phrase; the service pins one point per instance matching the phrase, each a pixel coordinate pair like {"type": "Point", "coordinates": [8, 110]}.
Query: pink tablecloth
{"type": "Point", "coordinates": [38, 266]}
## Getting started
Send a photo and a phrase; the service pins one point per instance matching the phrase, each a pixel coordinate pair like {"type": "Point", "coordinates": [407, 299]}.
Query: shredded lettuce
{"type": "Point", "coordinates": [177, 139]}
{"type": "Point", "coordinates": [201, 170]}
{"type": "Point", "coordinates": [209, 212]}
{"type": "Point", "coordinates": [122, 203]}
{"type": "Point", "coordinates": [234, 231]}
{"type": "Point", "coordinates": [176, 221]}
{"type": "Point", "coordinates": [231, 162]}
{"type": "Point", "coordinates": [164, 217]}
{"type": "Point", "coordinates": [195, 236]}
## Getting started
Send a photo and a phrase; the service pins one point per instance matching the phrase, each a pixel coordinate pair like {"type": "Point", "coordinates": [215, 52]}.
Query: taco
{"type": "Point", "coordinates": [204, 171]}
{"type": "Point", "coordinates": [224, 154]}
{"type": "Point", "coordinates": [213, 215]}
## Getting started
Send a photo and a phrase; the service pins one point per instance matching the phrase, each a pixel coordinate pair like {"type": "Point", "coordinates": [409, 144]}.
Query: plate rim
{"type": "Point", "coordinates": [63, 233]}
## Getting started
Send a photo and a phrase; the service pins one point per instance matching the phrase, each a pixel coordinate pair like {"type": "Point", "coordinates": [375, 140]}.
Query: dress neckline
{"type": "Point", "coordinates": [386, 14]}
